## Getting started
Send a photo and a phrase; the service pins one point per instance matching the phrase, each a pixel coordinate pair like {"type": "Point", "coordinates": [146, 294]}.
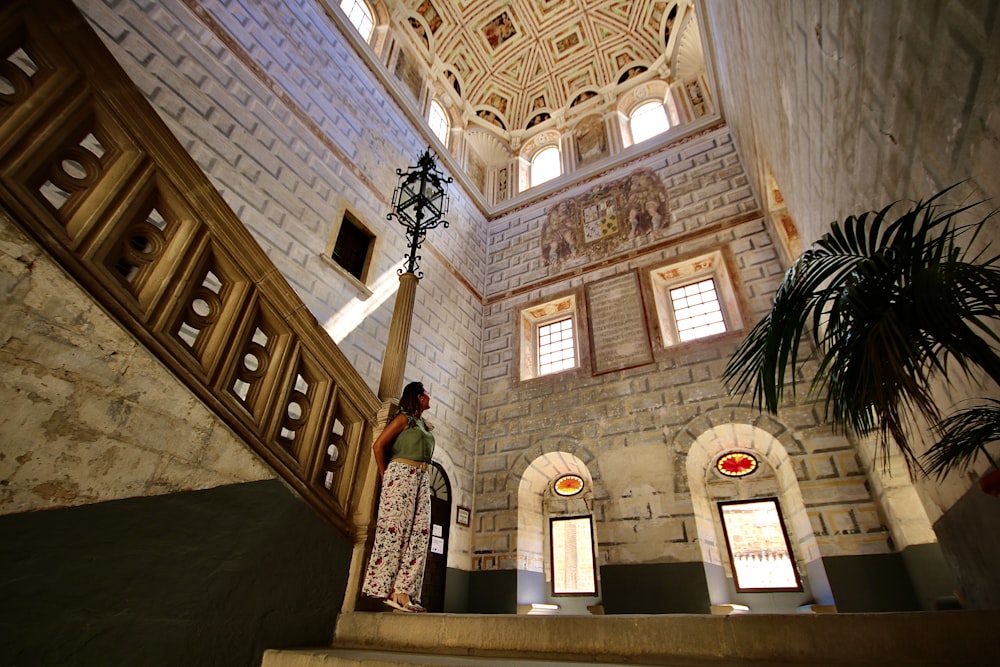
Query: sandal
{"type": "Point", "coordinates": [407, 607]}
{"type": "Point", "coordinates": [395, 605]}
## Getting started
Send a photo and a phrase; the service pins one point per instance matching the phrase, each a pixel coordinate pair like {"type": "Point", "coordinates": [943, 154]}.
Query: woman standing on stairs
{"type": "Point", "coordinates": [403, 454]}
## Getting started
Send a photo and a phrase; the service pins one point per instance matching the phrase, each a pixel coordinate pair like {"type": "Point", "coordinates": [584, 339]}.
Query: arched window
{"type": "Point", "coordinates": [571, 537]}
{"type": "Point", "coordinates": [648, 120]}
{"type": "Point", "coordinates": [544, 166]}
{"type": "Point", "coordinates": [438, 121]}
{"type": "Point", "coordinates": [361, 15]}
{"type": "Point", "coordinates": [759, 548]}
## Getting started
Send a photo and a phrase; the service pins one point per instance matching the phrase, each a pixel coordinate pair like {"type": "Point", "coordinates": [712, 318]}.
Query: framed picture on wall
{"type": "Point", "coordinates": [462, 516]}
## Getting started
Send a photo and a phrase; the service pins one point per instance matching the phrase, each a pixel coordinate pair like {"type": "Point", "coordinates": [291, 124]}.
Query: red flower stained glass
{"type": "Point", "coordinates": [569, 485]}
{"type": "Point", "coordinates": [736, 464]}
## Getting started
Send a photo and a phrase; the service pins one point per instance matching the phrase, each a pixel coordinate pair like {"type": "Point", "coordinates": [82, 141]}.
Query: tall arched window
{"type": "Point", "coordinates": [438, 121]}
{"type": "Point", "coordinates": [544, 166]}
{"type": "Point", "coordinates": [571, 538]}
{"type": "Point", "coordinates": [361, 15]}
{"type": "Point", "coordinates": [648, 120]}
{"type": "Point", "coordinates": [759, 548]}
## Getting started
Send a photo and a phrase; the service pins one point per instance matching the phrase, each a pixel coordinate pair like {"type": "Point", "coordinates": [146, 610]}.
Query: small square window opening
{"type": "Point", "coordinates": [556, 349]}
{"type": "Point", "coordinates": [548, 338]}
{"type": "Point", "coordinates": [353, 248]}
{"type": "Point", "coordinates": [695, 298]}
{"type": "Point", "coordinates": [697, 310]}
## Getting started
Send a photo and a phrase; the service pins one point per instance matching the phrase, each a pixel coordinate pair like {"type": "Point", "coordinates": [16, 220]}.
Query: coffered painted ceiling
{"type": "Point", "coordinates": [516, 63]}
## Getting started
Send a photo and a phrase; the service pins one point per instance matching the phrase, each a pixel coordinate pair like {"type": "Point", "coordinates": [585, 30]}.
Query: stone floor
{"type": "Point", "coordinates": [915, 639]}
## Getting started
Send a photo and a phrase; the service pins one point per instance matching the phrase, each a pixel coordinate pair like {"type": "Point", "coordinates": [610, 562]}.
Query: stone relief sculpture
{"type": "Point", "coordinates": [501, 184]}
{"type": "Point", "coordinates": [595, 224]}
{"type": "Point", "coordinates": [476, 169]}
{"type": "Point", "coordinates": [408, 73]}
{"type": "Point", "coordinates": [591, 140]}
{"type": "Point", "coordinates": [559, 233]}
{"type": "Point", "coordinates": [697, 100]}
{"type": "Point", "coordinates": [646, 203]}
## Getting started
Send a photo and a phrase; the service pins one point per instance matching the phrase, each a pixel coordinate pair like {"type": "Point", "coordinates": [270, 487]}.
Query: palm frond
{"type": "Point", "coordinates": [964, 436]}
{"type": "Point", "coordinates": [888, 301]}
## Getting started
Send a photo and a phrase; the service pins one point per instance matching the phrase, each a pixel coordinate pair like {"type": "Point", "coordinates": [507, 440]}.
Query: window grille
{"type": "Point", "coordinates": [556, 349]}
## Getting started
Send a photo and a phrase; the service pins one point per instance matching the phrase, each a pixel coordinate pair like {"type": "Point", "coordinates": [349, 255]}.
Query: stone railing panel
{"type": "Point", "coordinates": [91, 172]}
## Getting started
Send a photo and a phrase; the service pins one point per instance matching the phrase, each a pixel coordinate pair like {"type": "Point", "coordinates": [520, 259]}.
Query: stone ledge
{"type": "Point", "coordinates": [897, 639]}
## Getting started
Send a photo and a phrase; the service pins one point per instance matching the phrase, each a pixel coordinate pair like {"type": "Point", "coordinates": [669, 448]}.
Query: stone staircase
{"type": "Point", "coordinates": [911, 639]}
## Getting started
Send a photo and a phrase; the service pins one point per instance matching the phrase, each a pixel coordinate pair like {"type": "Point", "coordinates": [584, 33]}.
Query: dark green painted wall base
{"type": "Point", "coordinates": [870, 583]}
{"type": "Point", "coordinates": [969, 533]}
{"type": "Point", "coordinates": [655, 588]}
{"type": "Point", "coordinates": [662, 588]}
{"type": "Point", "coordinates": [456, 591]}
{"type": "Point", "coordinates": [202, 578]}
{"type": "Point", "coordinates": [493, 592]}
{"type": "Point", "coordinates": [933, 583]}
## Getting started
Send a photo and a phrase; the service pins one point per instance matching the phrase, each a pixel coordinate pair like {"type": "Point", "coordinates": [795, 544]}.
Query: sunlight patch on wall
{"type": "Point", "coordinates": [358, 309]}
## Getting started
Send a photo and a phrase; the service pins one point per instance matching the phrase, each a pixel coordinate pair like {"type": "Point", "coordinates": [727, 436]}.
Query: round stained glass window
{"type": "Point", "coordinates": [736, 464]}
{"type": "Point", "coordinates": [569, 485]}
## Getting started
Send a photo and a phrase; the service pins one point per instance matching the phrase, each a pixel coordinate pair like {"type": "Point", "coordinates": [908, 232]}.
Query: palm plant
{"type": "Point", "coordinates": [888, 303]}
{"type": "Point", "coordinates": [964, 436]}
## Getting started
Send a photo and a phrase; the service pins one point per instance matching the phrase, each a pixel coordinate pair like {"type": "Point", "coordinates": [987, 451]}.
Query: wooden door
{"type": "Point", "coordinates": [432, 593]}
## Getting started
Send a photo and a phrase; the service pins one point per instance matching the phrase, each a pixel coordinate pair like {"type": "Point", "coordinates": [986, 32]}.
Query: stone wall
{"type": "Point", "coordinates": [89, 414]}
{"type": "Point", "coordinates": [288, 123]}
{"type": "Point", "coordinates": [164, 539]}
{"type": "Point", "coordinates": [854, 105]}
{"type": "Point", "coordinates": [212, 577]}
{"type": "Point", "coordinates": [885, 102]}
{"type": "Point", "coordinates": [851, 106]}
{"type": "Point", "coordinates": [646, 436]}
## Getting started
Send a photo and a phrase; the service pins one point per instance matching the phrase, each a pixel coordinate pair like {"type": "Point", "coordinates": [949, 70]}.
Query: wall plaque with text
{"type": "Point", "coordinates": [618, 334]}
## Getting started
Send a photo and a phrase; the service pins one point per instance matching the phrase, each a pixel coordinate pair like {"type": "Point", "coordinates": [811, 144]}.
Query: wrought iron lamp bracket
{"type": "Point", "coordinates": [419, 203]}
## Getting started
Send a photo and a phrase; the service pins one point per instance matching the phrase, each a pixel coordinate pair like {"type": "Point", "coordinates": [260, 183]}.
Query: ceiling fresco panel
{"type": "Point", "coordinates": [520, 50]}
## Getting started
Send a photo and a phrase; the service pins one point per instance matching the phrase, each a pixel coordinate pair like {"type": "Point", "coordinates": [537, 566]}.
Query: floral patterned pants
{"type": "Point", "coordinates": [402, 533]}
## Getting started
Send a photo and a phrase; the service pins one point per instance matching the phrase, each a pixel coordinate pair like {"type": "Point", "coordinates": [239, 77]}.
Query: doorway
{"type": "Point", "coordinates": [436, 570]}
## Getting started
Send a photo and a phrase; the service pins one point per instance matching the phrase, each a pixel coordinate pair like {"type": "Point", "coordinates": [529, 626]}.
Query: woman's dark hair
{"type": "Point", "coordinates": [409, 402]}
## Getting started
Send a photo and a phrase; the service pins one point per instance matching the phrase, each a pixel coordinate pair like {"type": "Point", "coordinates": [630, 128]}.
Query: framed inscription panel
{"type": "Point", "coordinates": [619, 337]}
{"type": "Point", "coordinates": [572, 551]}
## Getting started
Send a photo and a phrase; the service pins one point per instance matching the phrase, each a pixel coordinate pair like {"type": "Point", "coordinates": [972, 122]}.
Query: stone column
{"type": "Point", "coordinates": [394, 362]}
{"type": "Point", "coordinates": [389, 388]}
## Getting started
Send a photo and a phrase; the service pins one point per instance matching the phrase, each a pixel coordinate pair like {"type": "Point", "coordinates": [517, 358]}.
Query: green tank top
{"type": "Point", "coordinates": [414, 442]}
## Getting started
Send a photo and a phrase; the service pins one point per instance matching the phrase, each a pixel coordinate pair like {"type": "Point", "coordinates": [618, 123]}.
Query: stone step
{"type": "Point", "coordinates": [911, 639]}
{"type": "Point", "coordinates": [372, 658]}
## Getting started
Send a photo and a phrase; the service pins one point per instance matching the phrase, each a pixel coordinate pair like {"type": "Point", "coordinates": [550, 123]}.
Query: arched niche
{"type": "Point", "coordinates": [741, 433]}
{"type": "Point", "coordinates": [534, 491]}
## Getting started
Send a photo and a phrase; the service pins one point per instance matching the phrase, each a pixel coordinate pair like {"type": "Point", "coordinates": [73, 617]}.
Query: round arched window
{"type": "Point", "coordinates": [648, 120]}
{"type": "Point", "coordinates": [545, 165]}
{"type": "Point", "coordinates": [438, 120]}
{"type": "Point", "coordinates": [736, 464]}
{"type": "Point", "coordinates": [361, 16]}
{"type": "Point", "coordinates": [568, 485]}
